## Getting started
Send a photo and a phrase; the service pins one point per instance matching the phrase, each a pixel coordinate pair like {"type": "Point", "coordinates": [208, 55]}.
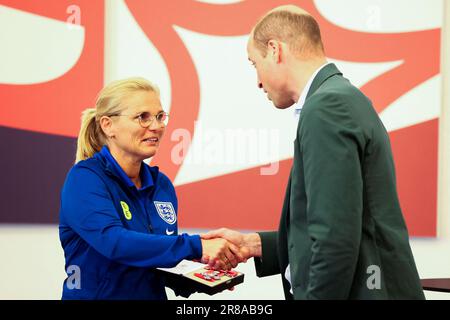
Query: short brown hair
{"type": "Point", "coordinates": [301, 32]}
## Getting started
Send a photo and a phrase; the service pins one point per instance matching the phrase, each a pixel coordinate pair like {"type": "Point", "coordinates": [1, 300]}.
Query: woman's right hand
{"type": "Point", "coordinates": [220, 254]}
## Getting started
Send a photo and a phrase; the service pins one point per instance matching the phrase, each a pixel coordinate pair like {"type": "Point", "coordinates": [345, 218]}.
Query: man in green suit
{"type": "Point", "coordinates": [342, 234]}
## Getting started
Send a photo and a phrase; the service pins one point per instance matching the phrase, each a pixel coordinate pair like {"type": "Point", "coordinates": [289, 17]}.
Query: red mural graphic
{"type": "Point", "coordinates": [245, 199]}
{"type": "Point", "coordinates": [248, 200]}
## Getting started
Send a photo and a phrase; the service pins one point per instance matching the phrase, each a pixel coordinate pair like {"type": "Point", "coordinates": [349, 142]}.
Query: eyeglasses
{"type": "Point", "coordinates": [146, 119]}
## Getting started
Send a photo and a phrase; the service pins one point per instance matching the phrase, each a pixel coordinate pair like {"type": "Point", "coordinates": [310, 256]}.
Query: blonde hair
{"type": "Point", "coordinates": [91, 137]}
{"type": "Point", "coordinates": [299, 31]}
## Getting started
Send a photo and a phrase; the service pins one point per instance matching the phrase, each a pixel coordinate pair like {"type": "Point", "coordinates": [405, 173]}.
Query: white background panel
{"type": "Point", "coordinates": [36, 49]}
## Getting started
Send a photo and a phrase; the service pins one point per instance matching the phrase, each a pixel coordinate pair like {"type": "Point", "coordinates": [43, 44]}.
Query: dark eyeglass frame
{"type": "Point", "coordinates": [142, 121]}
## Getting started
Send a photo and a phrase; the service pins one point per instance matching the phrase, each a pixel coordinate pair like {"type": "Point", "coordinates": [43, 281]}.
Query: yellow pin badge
{"type": "Point", "coordinates": [126, 210]}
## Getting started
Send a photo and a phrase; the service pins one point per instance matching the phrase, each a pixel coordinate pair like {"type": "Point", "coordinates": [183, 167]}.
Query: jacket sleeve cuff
{"type": "Point", "coordinates": [196, 245]}
{"type": "Point", "coordinates": [267, 264]}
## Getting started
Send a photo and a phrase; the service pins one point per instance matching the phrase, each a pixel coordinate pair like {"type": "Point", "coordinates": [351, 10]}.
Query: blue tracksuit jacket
{"type": "Point", "coordinates": [114, 235]}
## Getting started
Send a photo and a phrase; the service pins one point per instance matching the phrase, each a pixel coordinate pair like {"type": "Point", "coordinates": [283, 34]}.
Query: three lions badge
{"type": "Point", "coordinates": [166, 211]}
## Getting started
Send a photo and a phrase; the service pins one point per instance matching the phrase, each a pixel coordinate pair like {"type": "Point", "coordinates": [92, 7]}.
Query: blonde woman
{"type": "Point", "coordinates": [118, 216]}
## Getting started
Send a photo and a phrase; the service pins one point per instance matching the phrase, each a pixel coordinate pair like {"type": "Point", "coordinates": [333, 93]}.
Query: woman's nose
{"type": "Point", "coordinates": [156, 125]}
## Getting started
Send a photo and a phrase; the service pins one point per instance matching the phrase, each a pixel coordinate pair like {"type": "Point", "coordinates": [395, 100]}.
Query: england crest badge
{"type": "Point", "coordinates": [166, 211]}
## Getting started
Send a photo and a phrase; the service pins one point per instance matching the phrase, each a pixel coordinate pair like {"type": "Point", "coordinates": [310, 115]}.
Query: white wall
{"type": "Point", "coordinates": [433, 255]}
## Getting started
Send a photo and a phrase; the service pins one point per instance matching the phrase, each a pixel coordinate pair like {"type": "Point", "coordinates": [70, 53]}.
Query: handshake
{"type": "Point", "coordinates": [224, 249]}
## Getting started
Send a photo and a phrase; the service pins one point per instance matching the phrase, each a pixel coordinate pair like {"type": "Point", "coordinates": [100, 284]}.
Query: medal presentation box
{"type": "Point", "coordinates": [199, 277]}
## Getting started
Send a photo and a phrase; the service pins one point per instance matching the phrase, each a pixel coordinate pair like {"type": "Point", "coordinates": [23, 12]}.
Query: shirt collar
{"type": "Point", "coordinates": [304, 94]}
{"type": "Point", "coordinates": [145, 174]}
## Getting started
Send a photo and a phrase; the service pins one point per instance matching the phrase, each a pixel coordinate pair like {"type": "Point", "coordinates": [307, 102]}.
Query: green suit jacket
{"type": "Point", "coordinates": [341, 230]}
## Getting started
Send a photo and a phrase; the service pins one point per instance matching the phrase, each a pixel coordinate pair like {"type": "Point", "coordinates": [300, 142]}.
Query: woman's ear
{"type": "Point", "coordinates": [106, 124]}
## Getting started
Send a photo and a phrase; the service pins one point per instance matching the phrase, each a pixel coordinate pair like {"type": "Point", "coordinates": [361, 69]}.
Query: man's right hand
{"type": "Point", "coordinates": [248, 244]}
{"type": "Point", "coordinates": [220, 254]}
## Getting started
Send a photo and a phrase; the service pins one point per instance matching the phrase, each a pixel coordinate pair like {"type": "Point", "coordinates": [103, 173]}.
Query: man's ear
{"type": "Point", "coordinates": [275, 49]}
{"type": "Point", "coordinates": [106, 124]}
